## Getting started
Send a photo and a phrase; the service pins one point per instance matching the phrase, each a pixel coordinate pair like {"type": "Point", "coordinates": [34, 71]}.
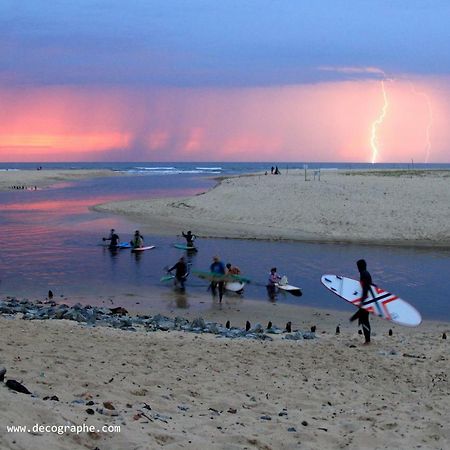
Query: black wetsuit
{"type": "Point", "coordinates": [114, 240]}
{"type": "Point", "coordinates": [190, 238]}
{"type": "Point", "coordinates": [363, 315]}
{"type": "Point", "coordinates": [181, 272]}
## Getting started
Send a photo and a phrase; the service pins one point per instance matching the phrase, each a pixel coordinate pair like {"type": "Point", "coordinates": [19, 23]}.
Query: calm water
{"type": "Point", "coordinates": [50, 240]}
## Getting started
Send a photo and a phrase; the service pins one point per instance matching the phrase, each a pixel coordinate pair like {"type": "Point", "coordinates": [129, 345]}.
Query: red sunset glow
{"type": "Point", "coordinates": [310, 122]}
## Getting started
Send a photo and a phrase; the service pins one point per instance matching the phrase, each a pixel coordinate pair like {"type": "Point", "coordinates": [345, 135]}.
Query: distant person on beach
{"type": "Point", "coordinates": [181, 272]}
{"type": "Point", "coordinates": [363, 315]}
{"type": "Point", "coordinates": [218, 268]}
{"type": "Point", "coordinates": [272, 170]}
{"type": "Point", "coordinates": [277, 172]}
{"type": "Point", "coordinates": [274, 279]}
{"type": "Point", "coordinates": [233, 270]}
{"type": "Point", "coordinates": [113, 239]}
{"type": "Point", "coordinates": [138, 240]}
{"type": "Point", "coordinates": [190, 238]}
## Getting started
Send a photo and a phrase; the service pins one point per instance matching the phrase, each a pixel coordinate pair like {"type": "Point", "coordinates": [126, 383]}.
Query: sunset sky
{"type": "Point", "coordinates": [231, 80]}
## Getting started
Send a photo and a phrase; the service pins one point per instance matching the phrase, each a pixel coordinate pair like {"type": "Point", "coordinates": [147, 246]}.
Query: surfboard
{"type": "Point", "coordinates": [211, 276]}
{"type": "Point", "coordinates": [141, 249]}
{"type": "Point", "coordinates": [285, 286]}
{"type": "Point", "coordinates": [234, 286]}
{"type": "Point", "coordinates": [167, 278]}
{"type": "Point", "coordinates": [185, 247]}
{"type": "Point", "coordinates": [379, 302]}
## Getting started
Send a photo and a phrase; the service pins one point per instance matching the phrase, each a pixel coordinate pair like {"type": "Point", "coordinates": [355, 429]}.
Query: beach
{"type": "Point", "coordinates": [193, 390]}
{"type": "Point", "coordinates": [390, 207]}
{"type": "Point", "coordinates": [42, 178]}
{"type": "Point", "coordinates": [196, 391]}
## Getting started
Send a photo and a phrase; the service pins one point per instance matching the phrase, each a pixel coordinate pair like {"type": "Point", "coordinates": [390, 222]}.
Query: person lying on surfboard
{"type": "Point", "coordinates": [190, 238]}
{"type": "Point", "coordinates": [274, 278]}
{"type": "Point", "coordinates": [138, 240]}
{"type": "Point", "coordinates": [362, 314]}
{"type": "Point", "coordinates": [217, 267]}
{"type": "Point", "coordinates": [181, 272]}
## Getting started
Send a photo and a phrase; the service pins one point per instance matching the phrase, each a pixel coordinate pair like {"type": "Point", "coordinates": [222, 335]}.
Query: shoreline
{"type": "Point", "coordinates": [335, 214]}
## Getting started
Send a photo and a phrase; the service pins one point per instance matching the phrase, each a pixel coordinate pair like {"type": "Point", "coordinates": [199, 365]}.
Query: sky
{"type": "Point", "coordinates": [234, 80]}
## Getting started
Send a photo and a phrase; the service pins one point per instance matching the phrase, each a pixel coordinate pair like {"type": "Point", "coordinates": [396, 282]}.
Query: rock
{"type": "Point", "coordinates": [228, 325]}
{"type": "Point", "coordinates": [257, 329]}
{"type": "Point", "coordinates": [16, 386]}
{"type": "Point", "coordinates": [247, 326]}
{"type": "Point", "coordinates": [232, 410]}
{"type": "Point", "coordinates": [108, 405]}
{"type": "Point", "coordinates": [119, 311]}
{"type": "Point", "coordinates": [338, 330]}
{"type": "Point", "coordinates": [90, 411]}
{"type": "Point", "coordinates": [444, 336]}
{"type": "Point", "coordinates": [198, 323]}
{"type": "Point", "coordinates": [2, 373]}
{"type": "Point", "coordinates": [291, 429]}
{"type": "Point", "coordinates": [305, 423]}
{"type": "Point", "coordinates": [390, 332]}
{"type": "Point", "coordinates": [289, 327]}
{"type": "Point", "coordinates": [266, 417]}
{"type": "Point", "coordinates": [269, 325]}
{"type": "Point", "coordinates": [313, 329]}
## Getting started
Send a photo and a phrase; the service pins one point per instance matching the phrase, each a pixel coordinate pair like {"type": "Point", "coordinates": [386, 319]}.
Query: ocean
{"type": "Point", "coordinates": [50, 239]}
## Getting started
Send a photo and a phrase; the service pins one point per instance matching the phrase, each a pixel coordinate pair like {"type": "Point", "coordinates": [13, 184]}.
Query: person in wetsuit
{"type": "Point", "coordinates": [363, 315]}
{"type": "Point", "coordinates": [113, 239]}
{"type": "Point", "coordinates": [190, 238]}
{"type": "Point", "coordinates": [181, 272]}
{"type": "Point", "coordinates": [138, 240]}
{"type": "Point", "coordinates": [271, 286]}
{"type": "Point", "coordinates": [218, 268]}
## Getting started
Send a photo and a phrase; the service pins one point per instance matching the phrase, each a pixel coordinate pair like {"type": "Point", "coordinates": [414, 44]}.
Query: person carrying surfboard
{"type": "Point", "coordinates": [181, 272]}
{"type": "Point", "coordinates": [362, 314]}
{"type": "Point", "coordinates": [233, 270]}
{"type": "Point", "coordinates": [217, 267]}
{"type": "Point", "coordinates": [190, 238]}
{"type": "Point", "coordinates": [138, 240]}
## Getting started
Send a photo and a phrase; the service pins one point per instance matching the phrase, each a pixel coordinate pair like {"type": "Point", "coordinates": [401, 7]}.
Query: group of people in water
{"type": "Point", "coordinates": [219, 270]}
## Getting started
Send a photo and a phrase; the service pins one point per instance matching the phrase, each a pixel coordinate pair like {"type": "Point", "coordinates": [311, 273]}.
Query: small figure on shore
{"type": "Point", "coordinates": [138, 240]}
{"type": "Point", "coordinates": [277, 172]}
{"type": "Point", "coordinates": [274, 278]}
{"type": "Point", "coordinates": [272, 170]}
{"type": "Point", "coordinates": [232, 270]}
{"type": "Point", "coordinates": [190, 238]}
{"type": "Point", "coordinates": [113, 239]}
{"type": "Point", "coordinates": [217, 267]}
{"type": "Point", "coordinates": [181, 273]}
{"type": "Point", "coordinates": [362, 314]}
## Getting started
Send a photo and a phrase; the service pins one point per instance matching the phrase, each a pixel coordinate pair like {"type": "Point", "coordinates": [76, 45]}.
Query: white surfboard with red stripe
{"type": "Point", "coordinates": [379, 302]}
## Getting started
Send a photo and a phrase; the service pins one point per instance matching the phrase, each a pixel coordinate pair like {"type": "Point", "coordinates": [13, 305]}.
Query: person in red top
{"type": "Point", "coordinates": [362, 314]}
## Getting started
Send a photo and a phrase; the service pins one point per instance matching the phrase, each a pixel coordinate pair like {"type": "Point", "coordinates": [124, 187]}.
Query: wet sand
{"type": "Point", "coordinates": [195, 391]}
{"type": "Point", "coordinates": [409, 208]}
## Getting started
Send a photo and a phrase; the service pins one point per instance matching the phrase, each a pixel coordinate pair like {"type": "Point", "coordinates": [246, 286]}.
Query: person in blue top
{"type": "Point", "coordinates": [217, 267]}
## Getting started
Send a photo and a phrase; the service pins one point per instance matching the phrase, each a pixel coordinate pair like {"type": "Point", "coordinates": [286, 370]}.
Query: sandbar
{"type": "Point", "coordinates": [388, 207]}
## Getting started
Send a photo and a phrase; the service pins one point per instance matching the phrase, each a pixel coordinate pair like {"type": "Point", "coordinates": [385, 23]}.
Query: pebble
{"type": "Point", "coordinates": [93, 316]}
{"type": "Point", "coordinates": [266, 417]}
{"type": "Point", "coordinates": [2, 373]}
{"type": "Point", "coordinates": [18, 387]}
{"type": "Point", "coordinates": [291, 429]}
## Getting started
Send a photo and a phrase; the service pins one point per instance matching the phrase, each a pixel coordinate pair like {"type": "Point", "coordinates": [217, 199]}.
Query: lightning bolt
{"type": "Point", "coordinates": [430, 121]}
{"type": "Point", "coordinates": [376, 123]}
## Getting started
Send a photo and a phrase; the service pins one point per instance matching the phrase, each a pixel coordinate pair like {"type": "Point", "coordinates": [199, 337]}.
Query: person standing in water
{"type": "Point", "coordinates": [190, 238]}
{"type": "Point", "coordinates": [217, 268]}
{"type": "Point", "coordinates": [113, 239]}
{"type": "Point", "coordinates": [138, 240]}
{"type": "Point", "coordinates": [181, 272]}
{"type": "Point", "coordinates": [362, 314]}
{"type": "Point", "coordinates": [274, 279]}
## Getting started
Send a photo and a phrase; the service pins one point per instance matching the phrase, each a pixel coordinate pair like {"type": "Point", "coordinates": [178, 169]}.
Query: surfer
{"type": "Point", "coordinates": [181, 272]}
{"type": "Point", "coordinates": [113, 239]}
{"type": "Point", "coordinates": [233, 270]}
{"type": "Point", "coordinates": [190, 238]}
{"type": "Point", "coordinates": [138, 240]}
{"type": "Point", "coordinates": [218, 268]}
{"type": "Point", "coordinates": [362, 314]}
{"type": "Point", "coordinates": [274, 279]}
